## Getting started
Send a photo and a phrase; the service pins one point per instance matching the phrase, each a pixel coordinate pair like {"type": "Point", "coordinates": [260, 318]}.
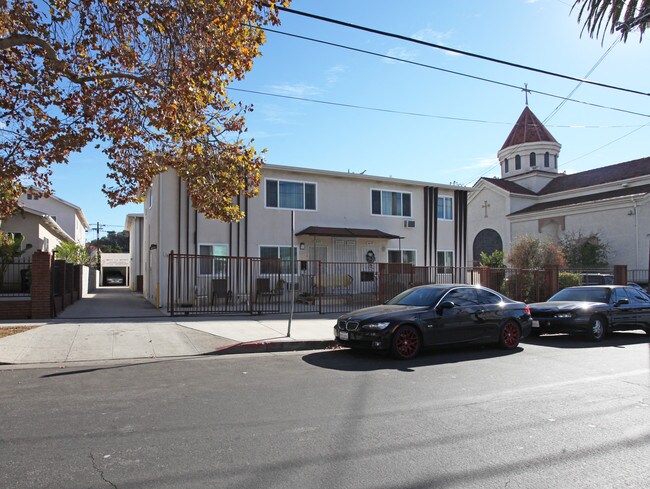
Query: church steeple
{"type": "Point", "coordinates": [529, 147]}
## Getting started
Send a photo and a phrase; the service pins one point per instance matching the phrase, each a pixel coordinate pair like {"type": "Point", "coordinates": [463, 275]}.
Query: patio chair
{"type": "Point", "coordinates": [264, 292]}
{"type": "Point", "coordinates": [220, 290]}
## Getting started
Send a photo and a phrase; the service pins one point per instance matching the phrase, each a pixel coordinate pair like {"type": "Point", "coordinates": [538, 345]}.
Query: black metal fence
{"type": "Point", "coordinates": [15, 277]}
{"type": "Point", "coordinates": [640, 277]}
{"type": "Point", "coordinates": [204, 285]}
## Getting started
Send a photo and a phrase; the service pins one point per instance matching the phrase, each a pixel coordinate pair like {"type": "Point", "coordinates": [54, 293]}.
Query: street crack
{"type": "Point", "coordinates": [100, 471]}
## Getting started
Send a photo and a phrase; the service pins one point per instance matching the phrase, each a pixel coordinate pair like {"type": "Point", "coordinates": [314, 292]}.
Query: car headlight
{"type": "Point", "coordinates": [564, 315]}
{"type": "Point", "coordinates": [376, 326]}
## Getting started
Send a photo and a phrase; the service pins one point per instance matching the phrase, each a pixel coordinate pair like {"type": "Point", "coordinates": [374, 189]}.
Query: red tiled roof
{"type": "Point", "coordinates": [508, 186]}
{"type": "Point", "coordinates": [640, 189]}
{"type": "Point", "coordinates": [528, 129]}
{"type": "Point", "coordinates": [598, 176]}
{"type": "Point", "coordinates": [345, 232]}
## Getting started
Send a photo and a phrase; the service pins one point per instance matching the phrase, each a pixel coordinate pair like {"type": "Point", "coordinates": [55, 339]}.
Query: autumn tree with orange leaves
{"type": "Point", "coordinates": [145, 80]}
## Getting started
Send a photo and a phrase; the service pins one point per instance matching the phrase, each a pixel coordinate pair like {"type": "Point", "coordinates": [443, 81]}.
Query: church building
{"type": "Point", "coordinates": [533, 198]}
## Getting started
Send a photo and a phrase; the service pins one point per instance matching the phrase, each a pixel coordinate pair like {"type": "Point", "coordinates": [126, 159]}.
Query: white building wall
{"type": "Point", "coordinates": [341, 201]}
{"type": "Point", "coordinates": [65, 215]}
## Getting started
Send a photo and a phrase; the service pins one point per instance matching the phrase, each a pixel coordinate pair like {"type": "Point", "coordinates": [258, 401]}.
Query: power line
{"type": "Point", "coordinates": [593, 68]}
{"type": "Point", "coordinates": [466, 75]}
{"type": "Point", "coordinates": [604, 145]}
{"type": "Point", "coordinates": [561, 104]}
{"type": "Point", "coordinates": [362, 107]}
{"type": "Point", "coordinates": [414, 114]}
{"type": "Point", "coordinates": [453, 50]}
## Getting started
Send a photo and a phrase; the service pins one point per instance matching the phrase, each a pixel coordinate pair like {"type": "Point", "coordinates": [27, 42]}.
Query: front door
{"type": "Point", "coordinates": [463, 322]}
{"type": "Point", "coordinates": [345, 250]}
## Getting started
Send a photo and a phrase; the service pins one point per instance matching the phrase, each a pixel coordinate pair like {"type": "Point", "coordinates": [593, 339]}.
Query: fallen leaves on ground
{"type": "Point", "coordinates": [8, 331]}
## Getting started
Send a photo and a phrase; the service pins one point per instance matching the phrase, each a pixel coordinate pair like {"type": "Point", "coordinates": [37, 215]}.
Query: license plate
{"type": "Point", "coordinates": [343, 335]}
{"type": "Point", "coordinates": [535, 324]}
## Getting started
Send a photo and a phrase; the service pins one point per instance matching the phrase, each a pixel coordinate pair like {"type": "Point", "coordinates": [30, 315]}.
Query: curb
{"type": "Point", "coordinates": [273, 346]}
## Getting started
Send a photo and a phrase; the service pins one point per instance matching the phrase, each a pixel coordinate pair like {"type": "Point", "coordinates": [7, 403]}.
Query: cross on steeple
{"type": "Point", "coordinates": [526, 91]}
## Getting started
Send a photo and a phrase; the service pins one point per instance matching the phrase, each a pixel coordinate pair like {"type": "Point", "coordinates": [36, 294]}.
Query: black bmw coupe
{"type": "Point", "coordinates": [432, 315]}
{"type": "Point", "coordinates": [593, 310]}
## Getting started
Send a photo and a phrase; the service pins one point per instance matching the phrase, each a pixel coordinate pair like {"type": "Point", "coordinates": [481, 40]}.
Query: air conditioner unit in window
{"type": "Point", "coordinates": [409, 224]}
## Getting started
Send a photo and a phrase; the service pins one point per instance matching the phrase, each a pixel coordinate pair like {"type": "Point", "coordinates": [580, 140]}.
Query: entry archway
{"type": "Point", "coordinates": [486, 241]}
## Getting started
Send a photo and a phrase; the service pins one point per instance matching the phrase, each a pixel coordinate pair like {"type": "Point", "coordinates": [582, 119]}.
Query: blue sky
{"type": "Point", "coordinates": [432, 146]}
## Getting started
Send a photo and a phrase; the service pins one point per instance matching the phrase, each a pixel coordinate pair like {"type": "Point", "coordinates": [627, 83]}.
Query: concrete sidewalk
{"type": "Point", "coordinates": [117, 324]}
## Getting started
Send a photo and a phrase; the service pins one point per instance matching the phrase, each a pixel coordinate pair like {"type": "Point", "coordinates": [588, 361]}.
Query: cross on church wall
{"type": "Point", "coordinates": [485, 206]}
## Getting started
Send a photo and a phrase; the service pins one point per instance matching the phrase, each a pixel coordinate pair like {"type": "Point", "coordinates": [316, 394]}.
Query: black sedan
{"type": "Point", "coordinates": [432, 315]}
{"type": "Point", "coordinates": [593, 310]}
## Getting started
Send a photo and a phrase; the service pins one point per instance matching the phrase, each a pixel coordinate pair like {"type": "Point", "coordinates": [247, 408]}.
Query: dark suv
{"type": "Point", "coordinates": [597, 279]}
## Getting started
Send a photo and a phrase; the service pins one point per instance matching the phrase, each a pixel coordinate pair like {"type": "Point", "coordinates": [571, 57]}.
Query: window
{"type": "Point", "coordinates": [401, 256]}
{"type": "Point", "coordinates": [507, 165]}
{"type": "Point", "coordinates": [445, 261]}
{"type": "Point", "coordinates": [547, 159]}
{"type": "Point", "coordinates": [517, 162]}
{"type": "Point", "coordinates": [445, 208]}
{"type": "Point", "coordinates": [463, 297]}
{"type": "Point", "coordinates": [387, 203]}
{"type": "Point", "coordinates": [617, 295]}
{"type": "Point", "coordinates": [487, 297]}
{"type": "Point", "coordinates": [533, 159]}
{"type": "Point", "coordinates": [284, 194]}
{"type": "Point", "coordinates": [216, 264]}
{"type": "Point", "coordinates": [554, 161]}
{"type": "Point", "coordinates": [277, 259]}
{"type": "Point", "coordinates": [638, 297]}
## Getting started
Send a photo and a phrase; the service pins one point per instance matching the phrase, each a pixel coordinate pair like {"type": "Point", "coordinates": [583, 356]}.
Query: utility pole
{"type": "Point", "coordinates": [98, 227]}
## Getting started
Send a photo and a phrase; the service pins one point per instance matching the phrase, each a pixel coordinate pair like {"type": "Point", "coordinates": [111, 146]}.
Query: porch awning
{"type": "Point", "coordinates": [345, 233]}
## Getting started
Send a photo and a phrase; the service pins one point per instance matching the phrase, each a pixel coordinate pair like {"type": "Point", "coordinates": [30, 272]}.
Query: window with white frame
{"type": "Point", "coordinates": [445, 261]}
{"type": "Point", "coordinates": [285, 194]}
{"type": "Point", "coordinates": [389, 203]}
{"type": "Point", "coordinates": [212, 260]}
{"type": "Point", "coordinates": [445, 208]}
{"type": "Point", "coordinates": [277, 259]}
{"type": "Point", "coordinates": [401, 256]}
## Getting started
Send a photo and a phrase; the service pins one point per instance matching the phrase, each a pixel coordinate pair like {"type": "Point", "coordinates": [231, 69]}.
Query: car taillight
{"type": "Point", "coordinates": [527, 310]}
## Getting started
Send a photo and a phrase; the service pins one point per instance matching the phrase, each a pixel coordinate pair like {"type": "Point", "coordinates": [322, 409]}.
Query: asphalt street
{"type": "Point", "coordinates": [558, 412]}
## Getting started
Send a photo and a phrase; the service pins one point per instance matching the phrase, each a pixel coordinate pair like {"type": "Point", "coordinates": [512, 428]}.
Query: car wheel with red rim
{"type": "Point", "coordinates": [510, 335]}
{"type": "Point", "coordinates": [406, 342]}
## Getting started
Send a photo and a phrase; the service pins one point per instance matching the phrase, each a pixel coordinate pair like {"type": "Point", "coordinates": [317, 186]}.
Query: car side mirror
{"type": "Point", "coordinates": [445, 305]}
{"type": "Point", "coordinates": [622, 301]}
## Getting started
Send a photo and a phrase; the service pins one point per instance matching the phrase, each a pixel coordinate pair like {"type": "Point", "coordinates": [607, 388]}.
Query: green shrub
{"type": "Point", "coordinates": [568, 279]}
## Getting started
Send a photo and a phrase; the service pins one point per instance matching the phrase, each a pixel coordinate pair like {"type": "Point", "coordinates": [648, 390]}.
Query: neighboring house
{"type": "Point", "coordinates": [533, 198]}
{"type": "Point", "coordinates": [339, 217]}
{"type": "Point", "coordinates": [68, 216]}
{"type": "Point", "coordinates": [134, 224]}
{"type": "Point", "coordinates": [39, 230]}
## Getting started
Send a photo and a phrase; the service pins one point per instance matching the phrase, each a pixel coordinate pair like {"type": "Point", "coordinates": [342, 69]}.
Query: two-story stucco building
{"type": "Point", "coordinates": [45, 222]}
{"type": "Point", "coordinates": [338, 217]}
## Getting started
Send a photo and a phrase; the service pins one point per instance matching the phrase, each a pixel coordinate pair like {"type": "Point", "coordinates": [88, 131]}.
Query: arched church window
{"type": "Point", "coordinates": [517, 162]}
{"type": "Point", "coordinates": [533, 160]}
{"type": "Point", "coordinates": [506, 165]}
{"type": "Point", "coordinates": [547, 159]}
{"type": "Point", "coordinates": [554, 161]}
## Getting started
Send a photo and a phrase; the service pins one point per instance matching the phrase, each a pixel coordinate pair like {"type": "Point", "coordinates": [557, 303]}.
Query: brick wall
{"type": "Point", "coordinates": [15, 308]}
{"type": "Point", "coordinates": [41, 285]}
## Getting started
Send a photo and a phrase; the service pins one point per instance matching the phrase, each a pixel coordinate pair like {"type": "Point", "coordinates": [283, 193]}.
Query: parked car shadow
{"type": "Point", "coordinates": [354, 360]}
{"type": "Point", "coordinates": [617, 339]}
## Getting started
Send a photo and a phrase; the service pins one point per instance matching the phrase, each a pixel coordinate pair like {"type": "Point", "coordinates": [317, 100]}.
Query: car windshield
{"type": "Point", "coordinates": [424, 296]}
{"type": "Point", "coordinates": [583, 294]}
